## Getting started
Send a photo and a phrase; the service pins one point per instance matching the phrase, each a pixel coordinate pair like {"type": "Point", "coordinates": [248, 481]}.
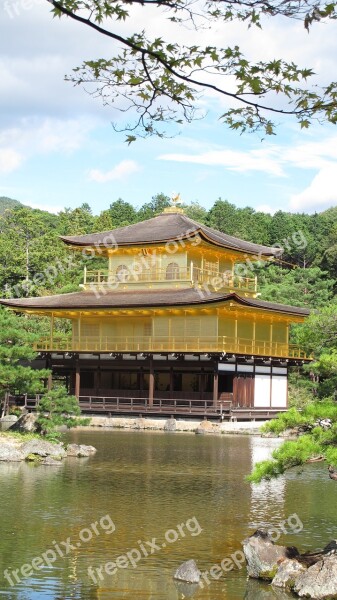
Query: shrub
{"type": "Point", "coordinates": [57, 408]}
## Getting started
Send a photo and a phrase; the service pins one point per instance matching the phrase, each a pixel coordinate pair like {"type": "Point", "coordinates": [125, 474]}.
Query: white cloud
{"type": "Point", "coordinates": [254, 160]}
{"type": "Point", "coordinates": [266, 208]}
{"type": "Point", "coordinates": [44, 136]}
{"type": "Point", "coordinates": [34, 136]}
{"type": "Point", "coordinates": [47, 207]}
{"type": "Point", "coordinates": [120, 171]}
{"type": "Point", "coordinates": [321, 193]}
{"type": "Point", "coordinates": [10, 160]}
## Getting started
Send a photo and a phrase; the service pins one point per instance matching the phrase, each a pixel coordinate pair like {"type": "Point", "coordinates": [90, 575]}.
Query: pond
{"type": "Point", "coordinates": [117, 525]}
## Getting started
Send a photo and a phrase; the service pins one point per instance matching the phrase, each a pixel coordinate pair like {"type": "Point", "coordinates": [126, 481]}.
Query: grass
{"type": "Point", "coordinates": [21, 437]}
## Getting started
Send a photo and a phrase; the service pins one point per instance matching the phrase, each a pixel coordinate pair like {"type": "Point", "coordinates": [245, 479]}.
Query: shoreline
{"type": "Point", "coordinates": [172, 425]}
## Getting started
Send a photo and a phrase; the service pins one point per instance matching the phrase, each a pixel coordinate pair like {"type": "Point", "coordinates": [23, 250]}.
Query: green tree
{"type": "Point", "coordinates": [57, 408]}
{"type": "Point", "coordinates": [329, 258]}
{"type": "Point", "coordinates": [319, 332]}
{"type": "Point", "coordinates": [196, 212]}
{"type": "Point", "coordinates": [151, 209]}
{"type": "Point", "coordinates": [103, 222]}
{"type": "Point", "coordinates": [222, 216]}
{"type": "Point", "coordinates": [318, 444]}
{"type": "Point", "coordinates": [122, 213]}
{"type": "Point", "coordinates": [299, 287]}
{"type": "Point", "coordinates": [16, 348]}
{"type": "Point", "coordinates": [21, 229]}
{"type": "Point", "coordinates": [8, 204]}
{"type": "Point", "coordinates": [161, 80]}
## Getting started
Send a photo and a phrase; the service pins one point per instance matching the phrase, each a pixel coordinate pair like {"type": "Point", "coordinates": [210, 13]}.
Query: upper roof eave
{"type": "Point", "coordinates": [165, 228]}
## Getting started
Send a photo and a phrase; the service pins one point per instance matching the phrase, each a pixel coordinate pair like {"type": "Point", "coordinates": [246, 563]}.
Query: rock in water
{"type": "Point", "coordinates": [188, 572]}
{"type": "Point", "coordinates": [80, 450]}
{"type": "Point", "coordinates": [9, 453]}
{"type": "Point", "coordinates": [263, 556]}
{"type": "Point", "coordinates": [43, 448]}
{"type": "Point", "coordinates": [288, 571]}
{"type": "Point", "coordinates": [170, 425]}
{"type": "Point", "coordinates": [205, 427]}
{"type": "Point", "coordinates": [319, 581]}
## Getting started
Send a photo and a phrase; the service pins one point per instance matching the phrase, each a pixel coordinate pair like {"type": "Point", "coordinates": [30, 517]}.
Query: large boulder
{"type": "Point", "coordinates": [319, 581]}
{"type": "Point", "coordinates": [263, 556]}
{"type": "Point", "coordinates": [287, 574]}
{"type": "Point", "coordinates": [43, 448]}
{"type": "Point", "coordinates": [7, 422]}
{"type": "Point", "coordinates": [10, 453]}
{"type": "Point", "coordinates": [25, 424]}
{"type": "Point", "coordinates": [188, 572]}
{"type": "Point", "coordinates": [80, 450]}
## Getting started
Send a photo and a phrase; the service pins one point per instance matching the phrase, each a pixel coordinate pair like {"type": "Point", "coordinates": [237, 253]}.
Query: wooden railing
{"type": "Point", "coordinates": [140, 344]}
{"type": "Point", "coordinates": [158, 405]}
{"type": "Point", "coordinates": [193, 275]}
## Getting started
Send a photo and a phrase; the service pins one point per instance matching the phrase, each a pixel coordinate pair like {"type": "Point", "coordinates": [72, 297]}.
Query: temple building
{"type": "Point", "coordinates": [173, 324]}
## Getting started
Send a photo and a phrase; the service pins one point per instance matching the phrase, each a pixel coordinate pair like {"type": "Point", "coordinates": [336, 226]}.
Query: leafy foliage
{"type": "Point", "coordinates": [57, 408]}
{"type": "Point", "coordinates": [16, 343]}
{"type": "Point", "coordinates": [318, 443]}
{"type": "Point", "coordinates": [160, 82]}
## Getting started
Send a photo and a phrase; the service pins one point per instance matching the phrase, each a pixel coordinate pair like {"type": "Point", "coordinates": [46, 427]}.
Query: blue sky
{"type": "Point", "coordinates": [58, 147]}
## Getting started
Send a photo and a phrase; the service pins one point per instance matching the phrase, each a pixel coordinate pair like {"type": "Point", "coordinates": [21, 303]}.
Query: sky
{"type": "Point", "coordinates": [58, 147]}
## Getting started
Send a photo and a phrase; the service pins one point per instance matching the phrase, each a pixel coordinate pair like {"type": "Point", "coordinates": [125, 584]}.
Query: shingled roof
{"type": "Point", "coordinates": [164, 228]}
{"type": "Point", "coordinates": [142, 299]}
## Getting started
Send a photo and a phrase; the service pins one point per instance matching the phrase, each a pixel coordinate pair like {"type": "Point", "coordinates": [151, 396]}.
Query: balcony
{"type": "Point", "coordinates": [222, 344]}
{"type": "Point", "coordinates": [192, 276]}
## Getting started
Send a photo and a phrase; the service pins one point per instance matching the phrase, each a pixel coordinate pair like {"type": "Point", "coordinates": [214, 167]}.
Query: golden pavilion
{"type": "Point", "coordinates": [172, 325]}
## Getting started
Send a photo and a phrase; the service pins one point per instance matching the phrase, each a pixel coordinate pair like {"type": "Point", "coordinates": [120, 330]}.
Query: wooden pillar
{"type": "Point", "coordinates": [215, 386]}
{"type": "Point", "coordinates": [151, 383]}
{"type": "Point", "coordinates": [77, 378]}
{"type": "Point", "coordinates": [50, 377]}
{"type": "Point", "coordinates": [51, 331]}
{"type": "Point", "coordinates": [171, 382]}
{"type": "Point", "coordinates": [202, 384]}
{"type": "Point", "coordinates": [141, 379]}
{"type": "Point", "coordinates": [97, 381]}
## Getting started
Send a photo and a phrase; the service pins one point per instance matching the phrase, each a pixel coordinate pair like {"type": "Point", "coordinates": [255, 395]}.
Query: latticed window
{"type": "Point", "coordinates": [212, 267]}
{"type": "Point", "coordinates": [122, 273]}
{"type": "Point", "coordinates": [172, 271]}
{"type": "Point", "coordinates": [148, 329]}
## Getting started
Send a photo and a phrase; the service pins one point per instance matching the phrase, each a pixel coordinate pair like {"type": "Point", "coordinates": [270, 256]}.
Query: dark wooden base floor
{"type": "Point", "coordinates": [160, 407]}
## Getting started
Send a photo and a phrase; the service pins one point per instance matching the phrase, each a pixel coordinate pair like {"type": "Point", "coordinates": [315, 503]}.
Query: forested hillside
{"type": "Point", "coordinates": [30, 246]}
{"type": "Point", "coordinates": [8, 203]}
{"type": "Point", "coordinates": [33, 261]}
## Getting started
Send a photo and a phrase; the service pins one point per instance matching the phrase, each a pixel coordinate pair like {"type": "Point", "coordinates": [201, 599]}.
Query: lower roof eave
{"type": "Point", "coordinates": [176, 356]}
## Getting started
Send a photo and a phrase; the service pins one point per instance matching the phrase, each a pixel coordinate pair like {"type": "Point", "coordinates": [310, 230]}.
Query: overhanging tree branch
{"type": "Point", "coordinates": [157, 79]}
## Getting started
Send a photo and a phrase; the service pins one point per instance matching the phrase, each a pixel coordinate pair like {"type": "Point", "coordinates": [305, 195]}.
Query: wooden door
{"type": "Point", "coordinates": [243, 390]}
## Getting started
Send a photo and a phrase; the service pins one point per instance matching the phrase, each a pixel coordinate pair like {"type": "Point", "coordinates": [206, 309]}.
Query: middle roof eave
{"type": "Point", "coordinates": [143, 299]}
